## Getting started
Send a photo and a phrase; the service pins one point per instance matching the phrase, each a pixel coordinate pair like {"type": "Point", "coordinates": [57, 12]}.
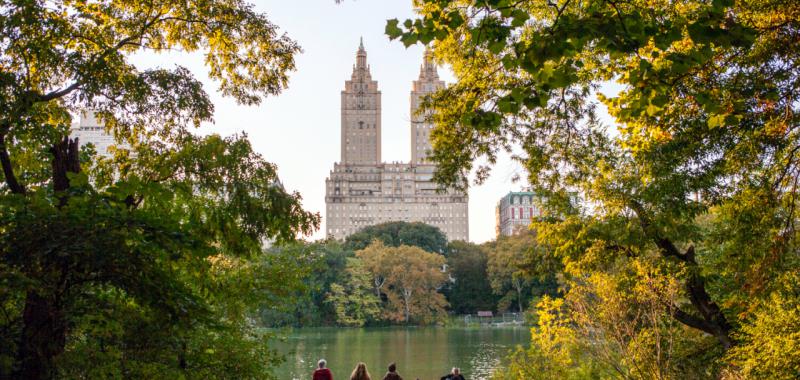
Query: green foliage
{"type": "Point", "coordinates": [695, 182]}
{"type": "Point", "coordinates": [154, 266]}
{"type": "Point", "coordinates": [334, 291]}
{"type": "Point", "coordinates": [409, 278]}
{"type": "Point", "coordinates": [555, 351]}
{"type": "Point", "coordinates": [395, 234]}
{"type": "Point", "coordinates": [471, 292]}
{"type": "Point", "coordinates": [518, 269]}
{"type": "Point", "coordinates": [771, 337]}
{"type": "Point", "coordinates": [324, 264]}
{"type": "Point", "coordinates": [603, 328]}
{"type": "Point", "coordinates": [353, 298]}
{"type": "Point", "coordinates": [147, 263]}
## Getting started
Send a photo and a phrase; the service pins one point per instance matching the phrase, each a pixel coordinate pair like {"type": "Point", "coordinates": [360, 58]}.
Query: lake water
{"type": "Point", "coordinates": [426, 353]}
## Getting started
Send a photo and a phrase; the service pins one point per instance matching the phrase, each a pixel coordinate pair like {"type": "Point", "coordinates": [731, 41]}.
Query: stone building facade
{"type": "Point", "coordinates": [515, 211]}
{"type": "Point", "coordinates": [362, 191]}
{"type": "Point", "coordinates": [90, 131]}
{"type": "Point", "coordinates": [361, 115]}
{"type": "Point", "coordinates": [427, 83]}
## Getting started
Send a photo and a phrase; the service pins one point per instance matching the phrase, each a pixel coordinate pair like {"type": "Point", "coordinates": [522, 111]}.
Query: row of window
{"type": "Point", "coordinates": [358, 86]}
{"type": "Point", "coordinates": [381, 213]}
{"type": "Point", "coordinates": [381, 207]}
{"type": "Point", "coordinates": [384, 213]}
{"type": "Point", "coordinates": [524, 199]}
{"type": "Point", "coordinates": [389, 177]}
{"type": "Point", "coordinates": [339, 232]}
{"type": "Point", "coordinates": [523, 212]}
{"type": "Point", "coordinates": [367, 152]}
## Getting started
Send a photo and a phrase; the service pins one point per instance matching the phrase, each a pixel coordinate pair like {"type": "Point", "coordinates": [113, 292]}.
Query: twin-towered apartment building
{"type": "Point", "coordinates": [362, 190]}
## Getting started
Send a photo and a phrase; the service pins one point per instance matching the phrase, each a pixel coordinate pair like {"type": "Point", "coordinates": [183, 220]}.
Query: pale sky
{"type": "Point", "coordinates": [299, 130]}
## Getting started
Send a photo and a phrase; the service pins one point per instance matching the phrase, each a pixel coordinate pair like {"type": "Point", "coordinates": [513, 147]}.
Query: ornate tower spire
{"type": "Point", "coordinates": [361, 115]}
{"type": "Point", "coordinates": [361, 56]}
{"type": "Point", "coordinates": [428, 69]}
{"type": "Point", "coordinates": [421, 127]}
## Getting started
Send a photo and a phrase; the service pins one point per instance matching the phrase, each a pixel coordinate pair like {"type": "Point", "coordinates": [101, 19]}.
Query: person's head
{"type": "Point", "coordinates": [360, 372]}
{"type": "Point", "coordinates": [392, 367]}
{"type": "Point", "coordinates": [455, 371]}
{"type": "Point", "coordinates": [322, 363]}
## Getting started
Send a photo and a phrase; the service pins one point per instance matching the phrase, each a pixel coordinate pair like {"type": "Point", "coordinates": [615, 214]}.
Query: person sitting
{"type": "Point", "coordinates": [322, 373]}
{"type": "Point", "coordinates": [360, 373]}
{"type": "Point", "coordinates": [455, 374]}
{"type": "Point", "coordinates": [392, 374]}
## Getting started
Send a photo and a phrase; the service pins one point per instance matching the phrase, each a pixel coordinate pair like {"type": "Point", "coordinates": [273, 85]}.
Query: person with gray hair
{"type": "Point", "coordinates": [322, 373]}
{"type": "Point", "coordinates": [455, 374]}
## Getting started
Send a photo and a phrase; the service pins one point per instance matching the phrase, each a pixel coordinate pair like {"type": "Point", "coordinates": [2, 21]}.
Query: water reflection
{"type": "Point", "coordinates": [420, 352]}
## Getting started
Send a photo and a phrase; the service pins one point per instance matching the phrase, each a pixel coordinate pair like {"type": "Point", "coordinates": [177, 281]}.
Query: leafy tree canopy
{"type": "Point", "coordinates": [325, 264]}
{"type": "Point", "coordinates": [352, 296]}
{"type": "Point", "coordinates": [395, 234]}
{"type": "Point", "coordinates": [471, 292]}
{"type": "Point", "coordinates": [410, 278]}
{"type": "Point", "coordinates": [697, 177]}
{"type": "Point", "coordinates": [158, 229]}
{"type": "Point", "coordinates": [518, 268]}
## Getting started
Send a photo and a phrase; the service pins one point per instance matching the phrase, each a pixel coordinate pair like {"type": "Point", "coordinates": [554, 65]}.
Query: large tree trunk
{"type": "Point", "coordinates": [44, 329]}
{"type": "Point", "coordinates": [65, 160]}
{"type": "Point", "coordinates": [43, 337]}
{"type": "Point", "coordinates": [378, 283]}
{"type": "Point", "coordinates": [8, 168]}
{"type": "Point", "coordinates": [406, 299]}
{"type": "Point", "coordinates": [182, 357]}
{"type": "Point", "coordinates": [711, 320]}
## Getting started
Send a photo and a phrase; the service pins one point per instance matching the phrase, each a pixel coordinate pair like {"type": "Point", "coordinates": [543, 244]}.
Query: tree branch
{"type": "Point", "coordinates": [713, 320]}
{"type": "Point", "coordinates": [689, 320]}
{"type": "Point", "coordinates": [58, 94]}
{"type": "Point", "coordinates": [8, 169]}
{"type": "Point", "coordinates": [666, 245]}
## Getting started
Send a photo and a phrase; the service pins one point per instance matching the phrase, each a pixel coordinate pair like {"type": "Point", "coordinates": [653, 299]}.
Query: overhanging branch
{"type": "Point", "coordinates": [8, 168]}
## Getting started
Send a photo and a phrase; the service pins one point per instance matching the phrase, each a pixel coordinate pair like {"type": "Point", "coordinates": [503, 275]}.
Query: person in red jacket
{"type": "Point", "coordinates": [322, 373]}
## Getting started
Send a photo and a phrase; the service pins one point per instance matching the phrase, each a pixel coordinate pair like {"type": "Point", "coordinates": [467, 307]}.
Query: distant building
{"type": "Point", "coordinates": [515, 211]}
{"type": "Point", "coordinates": [90, 131]}
{"type": "Point", "coordinates": [362, 190]}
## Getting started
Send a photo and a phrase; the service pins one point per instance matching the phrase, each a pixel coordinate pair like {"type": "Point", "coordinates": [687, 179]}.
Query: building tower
{"type": "Point", "coordinates": [362, 191]}
{"type": "Point", "coordinates": [89, 130]}
{"type": "Point", "coordinates": [427, 83]}
{"type": "Point", "coordinates": [361, 115]}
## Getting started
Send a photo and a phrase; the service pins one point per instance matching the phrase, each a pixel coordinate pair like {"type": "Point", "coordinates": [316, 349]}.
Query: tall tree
{"type": "Point", "coordinates": [352, 296]}
{"type": "Point", "coordinates": [707, 121]}
{"type": "Point", "coordinates": [411, 278]}
{"type": "Point", "coordinates": [519, 269]}
{"type": "Point", "coordinates": [148, 221]}
{"type": "Point", "coordinates": [505, 270]}
{"type": "Point", "coordinates": [395, 234]}
{"type": "Point", "coordinates": [320, 264]}
{"type": "Point", "coordinates": [376, 262]}
{"type": "Point", "coordinates": [471, 290]}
